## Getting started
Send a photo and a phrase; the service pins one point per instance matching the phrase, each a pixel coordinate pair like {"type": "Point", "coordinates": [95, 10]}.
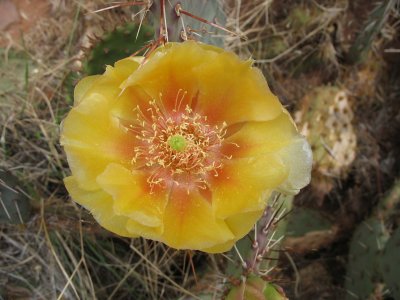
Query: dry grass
{"type": "Point", "coordinates": [61, 253]}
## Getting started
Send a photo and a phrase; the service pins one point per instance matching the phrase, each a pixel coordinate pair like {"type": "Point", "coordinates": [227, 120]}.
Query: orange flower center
{"type": "Point", "coordinates": [177, 146]}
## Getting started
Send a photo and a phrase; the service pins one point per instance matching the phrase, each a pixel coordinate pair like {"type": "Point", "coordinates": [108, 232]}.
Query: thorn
{"type": "Point", "coordinates": [120, 4]}
{"type": "Point", "coordinates": [269, 241]}
{"type": "Point", "coordinates": [362, 245]}
{"type": "Point", "coordinates": [192, 266]}
{"type": "Point", "coordinates": [275, 213]}
{"type": "Point", "coordinates": [284, 216]}
{"type": "Point", "coordinates": [275, 200]}
{"type": "Point", "coordinates": [266, 272]}
{"type": "Point", "coordinates": [276, 242]}
{"type": "Point", "coordinates": [143, 48]}
{"type": "Point", "coordinates": [244, 264]}
{"type": "Point", "coordinates": [5, 208]}
{"type": "Point", "coordinates": [255, 233]}
{"type": "Point", "coordinates": [18, 212]}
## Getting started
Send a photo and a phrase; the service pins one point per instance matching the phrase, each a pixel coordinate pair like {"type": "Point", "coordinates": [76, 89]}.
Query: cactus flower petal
{"type": "Point", "coordinates": [184, 147]}
{"type": "Point", "coordinates": [100, 204]}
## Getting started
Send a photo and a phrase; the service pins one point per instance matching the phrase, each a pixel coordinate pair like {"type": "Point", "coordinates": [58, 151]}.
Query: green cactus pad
{"type": "Point", "coordinates": [325, 118]}
{"type": "Point", "coordinates": [255, 288]}
{"type": "Point", "coordinates": [273, 292]}
{"type": "Point", "coordinates": [209, 10]}
{"type": "Point", "coordinates": [390, 264]}
{"type": "Point", "coordinates": [118, 44]}
{"type": "Point", "coordinates": [363, 273]}
{"type": "Point", "coordinates": [302, 221]}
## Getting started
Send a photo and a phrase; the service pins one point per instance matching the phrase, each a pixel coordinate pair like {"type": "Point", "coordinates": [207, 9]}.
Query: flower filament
{"type": "Point", "coordinates": [177, 147]}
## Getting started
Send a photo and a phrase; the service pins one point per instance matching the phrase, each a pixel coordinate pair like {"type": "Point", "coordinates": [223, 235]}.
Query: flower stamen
{"type": "Point", "coordinates": [180, 144]}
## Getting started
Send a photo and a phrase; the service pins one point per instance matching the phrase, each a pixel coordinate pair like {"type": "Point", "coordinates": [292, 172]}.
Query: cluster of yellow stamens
{"type": "Point", "coordinates": [177, 146]}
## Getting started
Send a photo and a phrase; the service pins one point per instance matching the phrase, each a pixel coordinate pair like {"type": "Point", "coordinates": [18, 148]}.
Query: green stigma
{"type": "Point", "coordinates": [177, 142]}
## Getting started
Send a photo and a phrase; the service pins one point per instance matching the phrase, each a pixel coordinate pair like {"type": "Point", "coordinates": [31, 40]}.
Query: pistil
{"type": "Point", "coordinates": [177, 142]}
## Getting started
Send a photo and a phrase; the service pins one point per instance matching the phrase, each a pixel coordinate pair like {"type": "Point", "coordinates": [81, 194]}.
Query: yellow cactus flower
{"type": "Point", "coordinates": [183, 148]}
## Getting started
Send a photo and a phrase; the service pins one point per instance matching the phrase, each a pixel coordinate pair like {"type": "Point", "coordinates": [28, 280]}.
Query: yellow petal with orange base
{"type": "Point", "coordinates": [189, 222]}
{"type": "Point", "coordinates": [232, 91]}
{"type": "Point", "coordinates": [100, 204]}
{"type": "Point", "coordinates": [216, 83]}
{"type": "Point", "coordinates": [92, 142]}
{"type": "Point", "coordinates": [278, 136]}
{"type": "Point", "coordinates": [123, 68]}
{"type": "Point", "coordinates": [168, 75]}
{"type": "Point", "coordinates": [130, 198]}
{"type": "Point", "coordinates": [138, 229]}
{"type": "Point", "coordinates": [245, 184]}
{"type": "Point", "coordinates": [114, 75]}
{"type": "Point", "coordinates": [239, 225]}
{"type": "Point", "coordinates": [92, 136]}
{"type": "Point", "coordinates": [258, 138]}
{"type": "Point", "coordinates": [83, 86]}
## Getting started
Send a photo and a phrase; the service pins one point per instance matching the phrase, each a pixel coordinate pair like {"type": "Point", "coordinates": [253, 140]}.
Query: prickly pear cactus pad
{"type": "Point", "coordinates": [115, 45]}
{"type": "Point", "coordinates": [302, 221]}
{"type": "Point", "coordinates": [325, 118]}
{"type": "Point", "coordinates": [390, 264]}
{"type": "Point", "coordinates": [181, 26]}
{"type": "Point", "coordinates": [255, 288]}
{"type": "Point", "coordinates": [363, 273]}
{"type": "Point", "coordinates": [308, 231]}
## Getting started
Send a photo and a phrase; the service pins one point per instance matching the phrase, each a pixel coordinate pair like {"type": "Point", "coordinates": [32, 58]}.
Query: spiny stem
{"type": "Point", "coordinates": [264, 236]}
